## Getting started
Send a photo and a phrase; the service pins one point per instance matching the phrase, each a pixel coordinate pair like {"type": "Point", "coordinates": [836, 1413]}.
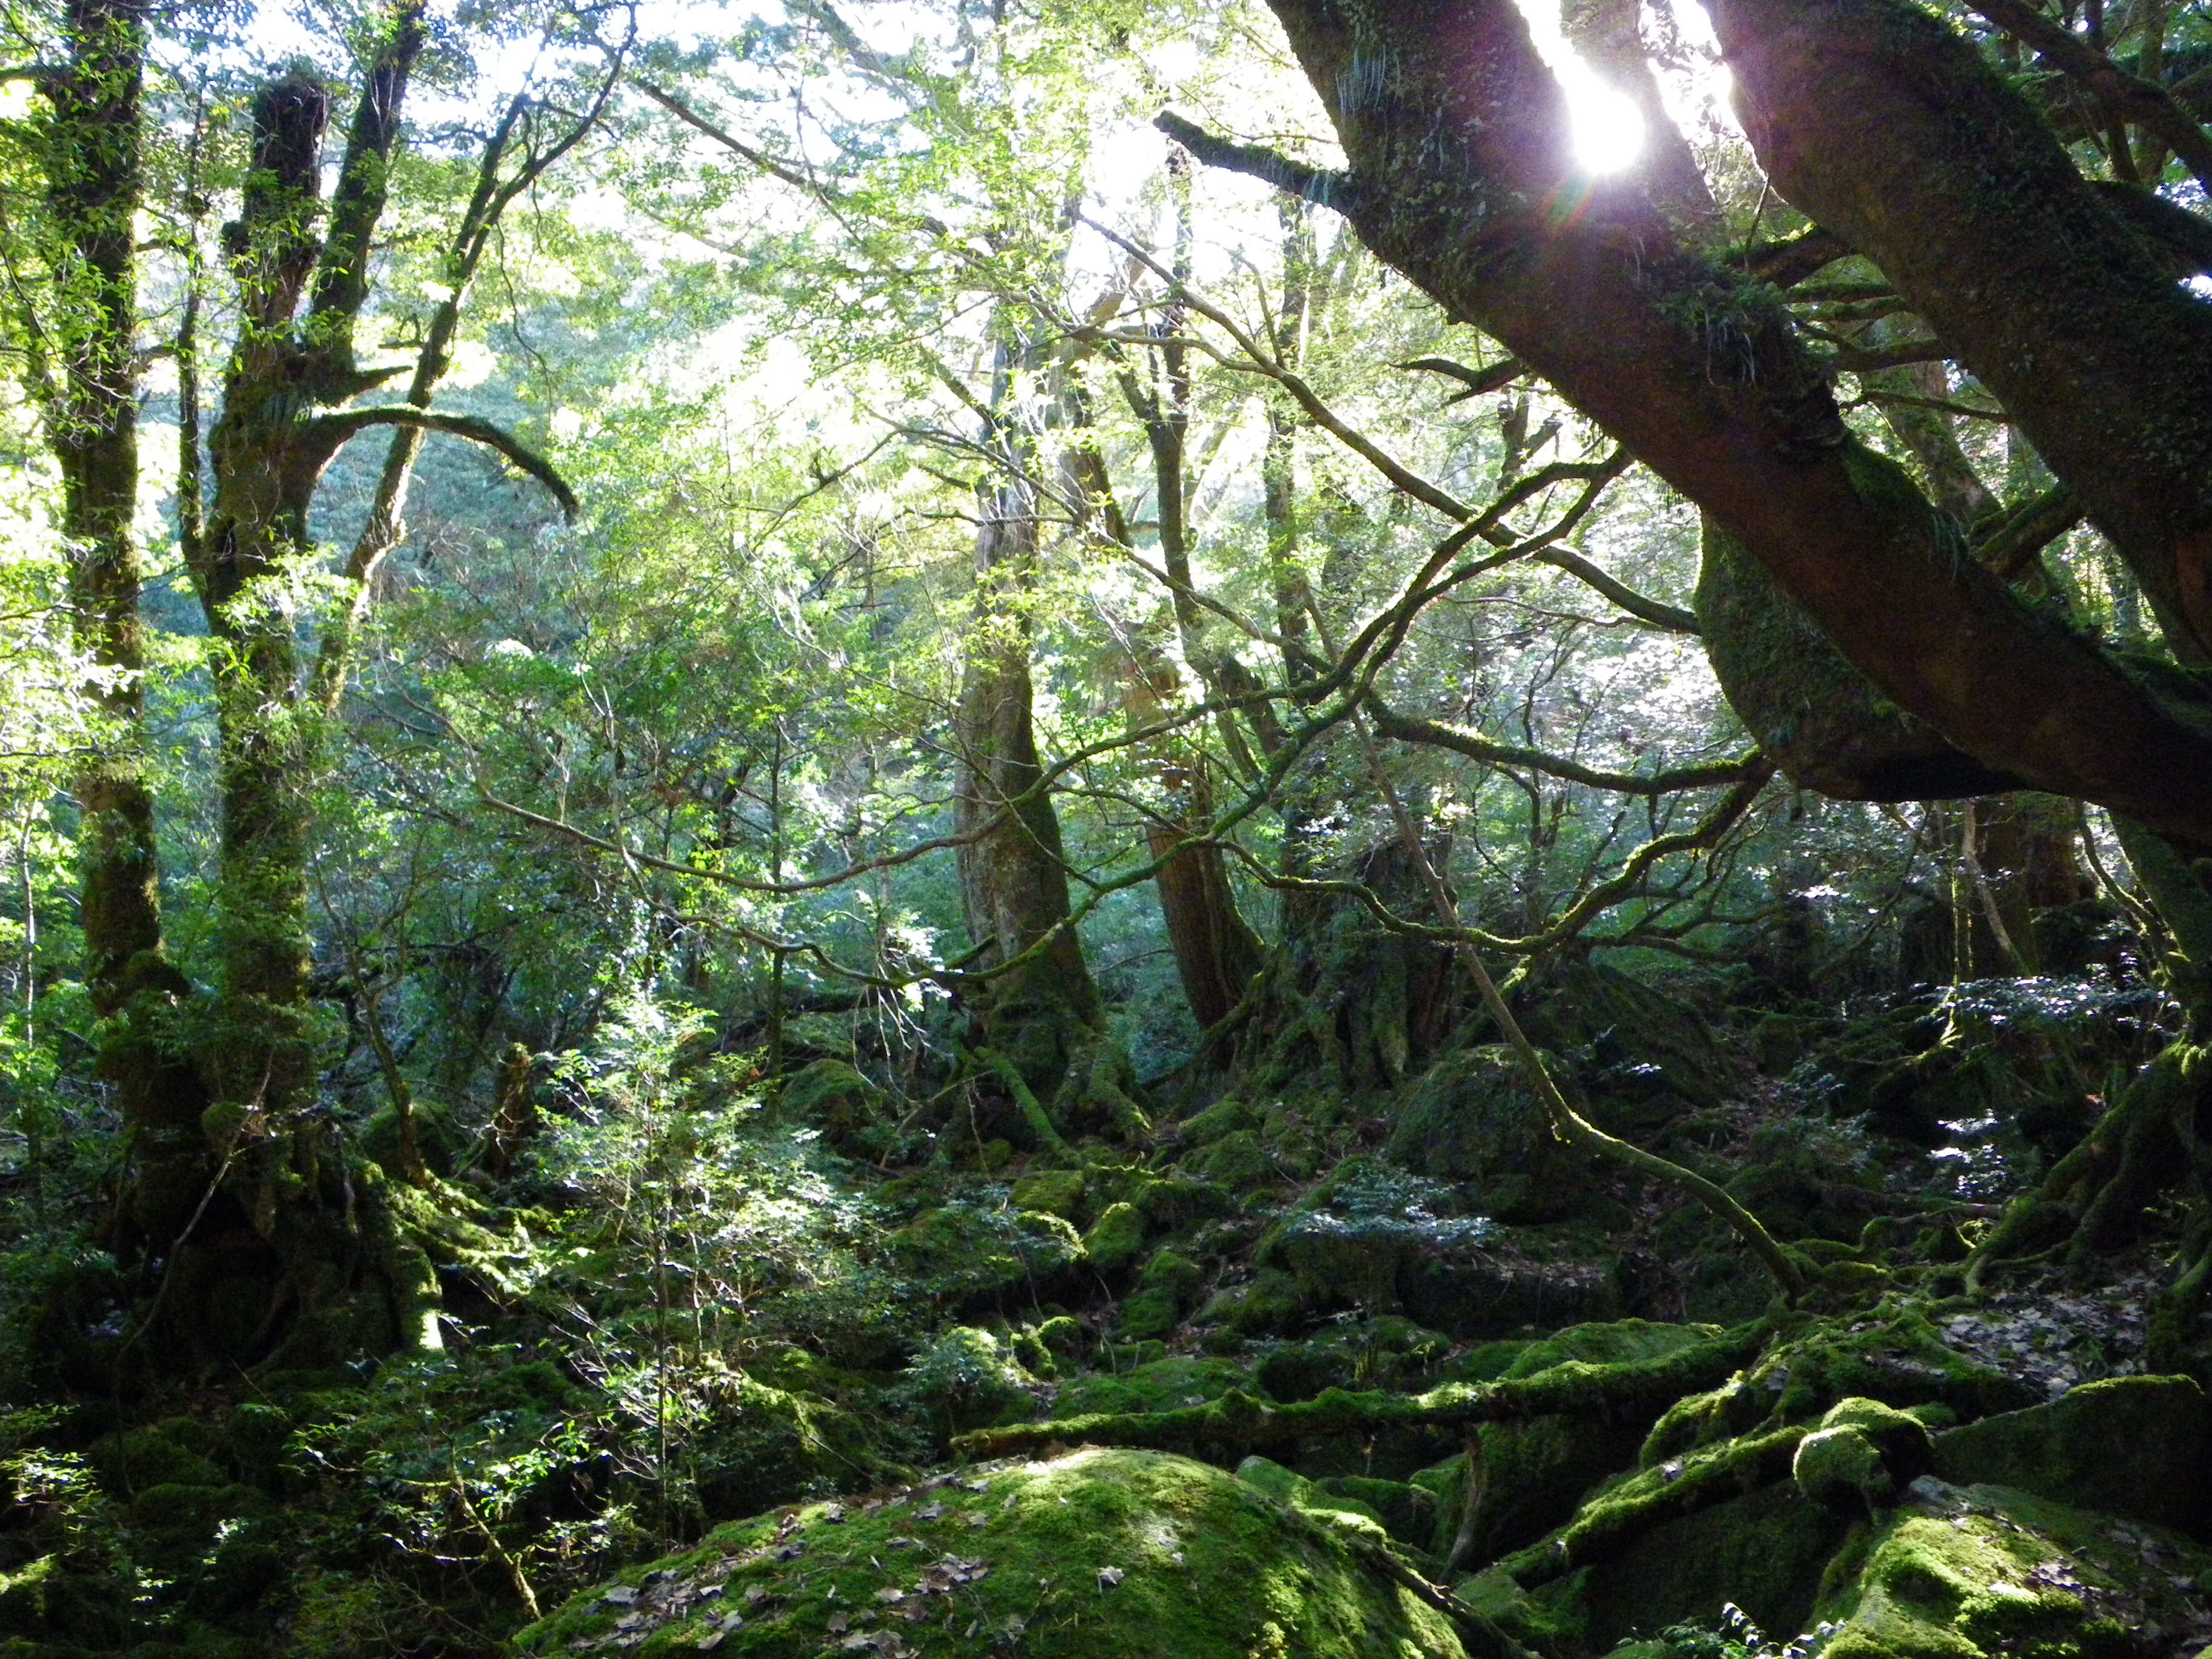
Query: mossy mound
{"type": "Point", "coordinates": [1979, 1571]}
{"type": "Point", "coordinates": [1100, 1553]}
{"type": "Point", "coordinates": [2140, 1446]}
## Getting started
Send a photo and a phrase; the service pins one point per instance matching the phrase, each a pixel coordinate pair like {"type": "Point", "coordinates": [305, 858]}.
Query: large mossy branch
{"type": "Point", "coordinates": [1608, 1524]}
{"type": "Point", "coordinates": [1452, 128]}
{"type": "Point", "coordinates": [1239, 1420]}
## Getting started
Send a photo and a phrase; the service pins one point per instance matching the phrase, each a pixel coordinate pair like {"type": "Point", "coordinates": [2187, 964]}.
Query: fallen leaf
{"type": "Point", "coordinates": [621, 1595]}
{"type": "Point", "coordinates": [1109, 1577]}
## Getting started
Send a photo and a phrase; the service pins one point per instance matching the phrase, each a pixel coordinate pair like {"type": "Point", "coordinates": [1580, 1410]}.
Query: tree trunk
{"type": "Point", "coordinates": [1013, 873]}
{"type": "Point", "coordinates": [1878, 121]}
{"type": "Point", "coordinates": [93, 186]}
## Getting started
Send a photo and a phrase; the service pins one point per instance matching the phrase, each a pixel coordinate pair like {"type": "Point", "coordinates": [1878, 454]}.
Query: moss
{"type": "Point", "coordinates": [1333, 1508]}
{"type": "Point", "coordinates": [1223, 1117]}
{"type": "Point", "coordinates": [1235, 1162]}
{"type": "Point", "coordinates": [1979, 1571]}
{"type": "Point", "coordinates": [171, 1453]}
{"type": "Point", "coordinates": [970, 1379]}
{"type": "Point", "coordinates": [1051, 1192]}
{"type": "Point", "coordinates": [1267, 1304]}
{"type": "Point", "coordinates": [974, 1254]}
{"type": "Point", "coordinates": [1471, 1118]}
{"type": "Point", "coordinates": [1095, 1555]}
{"type": "Point", "coordinates": [1862, 1455]}
{"type": "Point", "coordinates": [443, 1142]}
{"type": "Point", "coordinates": [1763, 1550]}
{"type": "Point", "coordinates": [852, 1114]}
{"type": "Point", "coordinates": [1116, 1237]}
{"type": "Point", "coordinates": [1154, 1312]}
{"type": "Point", "coordinates": [1177, 1380]}
{"type": "Point", "coordinates": [2133, 1445]}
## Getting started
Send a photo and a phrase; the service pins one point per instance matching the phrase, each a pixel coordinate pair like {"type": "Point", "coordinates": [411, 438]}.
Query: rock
{"type": "Point", "coordinates": [1163, 1385]}
{"type": "Point", "coordinates": [2139, 1446]}
{"type": "Point", "coordinates": [973, 1380]}
{"type": "Point", "coordinates": [1116, 1237]}
{"type": "Point", "coordinates": [975, 1254]}
{"type": "Point", "coordinates": [1051, 1192]}
{"type": "Point", "coordinates": [852, 1114]}
{"type": "Point", "coordinates": [1981, 1572]}
{"type": "Point", "coordinates": [1235, 1163]}
{"type": "Point", "coordinates": [1472, 1119]}
{"type": "Point", "coordinates": [1862, 1456]}
{"type": "Point", "coordinates": [1099, 1554]}
{"type": "Point", "coordinates": [1380, 1238]}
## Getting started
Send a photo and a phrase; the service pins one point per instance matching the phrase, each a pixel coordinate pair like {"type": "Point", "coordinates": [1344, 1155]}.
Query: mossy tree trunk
{"type": "Point", "coordinates": [1876, 119]}
{"type": "Point", "coordinates": [1043, 1010]}
{"type": "Point", "coordinates": [292, 1240]}
{"type": "Point", "coordinates": [1216, 952]}
{"type": "Point", "coordinates": [93, 161]}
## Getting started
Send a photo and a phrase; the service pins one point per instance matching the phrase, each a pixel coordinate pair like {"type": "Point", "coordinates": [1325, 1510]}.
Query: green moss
{"type": "Point", "coordinates": [852, 1114]}
{"type": "Point", "coordinates": [1116, 1237]}
{"type": "Point", "coordinates": [972, 1380]}
{"type": "Point", "coordinates": [1980, 1571]}
{"type": "Point", "coordinates": [1334, 1508]}
{"type": "Point", "coordinates": [2133, 1445]}
{"type": "Point", "coordinates": [1236, 1163]}
{"type": "Point", "coordinates": [975, 1252]}
{"type": "Point", "coordinates": [1051, 1192]}
{"type": "Point", "coordinates": [1096, 1555]}
{"type": "Point", "coordinates": [1151, 1313]}
{"type": "Point", "coordinates": [1862, 1455]}
{"type": "Point", "coordinates": [1267, 1304]}
{"type": "Point", "coordinates": [1177, 1380]}
{"type": "Point", "coordinates": [1223, 1117]}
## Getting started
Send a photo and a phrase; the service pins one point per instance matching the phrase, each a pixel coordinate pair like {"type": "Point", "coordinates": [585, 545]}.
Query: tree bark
{"type": "Point", "coordinates": [1014, 871]}
{"type": "Point", "coordinates": [1460, 176]}
{"type": "Point", "coordinates": [96, 142]}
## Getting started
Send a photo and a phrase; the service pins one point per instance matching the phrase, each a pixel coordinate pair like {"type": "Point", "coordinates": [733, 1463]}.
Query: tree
{"type": "Point", "coordinates": [1891, 131]}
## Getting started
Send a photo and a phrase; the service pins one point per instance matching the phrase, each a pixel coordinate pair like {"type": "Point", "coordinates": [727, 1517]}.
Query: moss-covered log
{"type": "Point", "coordinates": [1241, 1419]}
{"type": "Point", "coordinates": [1609, 1524]}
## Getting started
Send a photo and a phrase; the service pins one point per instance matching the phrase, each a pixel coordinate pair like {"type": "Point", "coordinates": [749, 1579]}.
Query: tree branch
{"type": "Point", "coordinates": [1319, 185]}
{"type": "Point", "coordinates": [337, 429]}
{"type": "Point", "coordinates": [2146, 103]}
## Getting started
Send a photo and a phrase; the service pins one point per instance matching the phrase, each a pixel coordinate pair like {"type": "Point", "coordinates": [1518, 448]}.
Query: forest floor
{"type": "Point", "coordinates": [1315, 1370]}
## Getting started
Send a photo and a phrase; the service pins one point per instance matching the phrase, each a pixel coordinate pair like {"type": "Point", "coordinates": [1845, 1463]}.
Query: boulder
{"type": "Point", "coordinates": [1099, 1554]}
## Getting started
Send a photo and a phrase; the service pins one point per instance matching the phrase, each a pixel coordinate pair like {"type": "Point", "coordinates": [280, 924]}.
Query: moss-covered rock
{"type": "Point", "coordinates": [971, 1380]}
{"type": "Point", "coordinates": [975, 1254]}
{"type": "Point", "coordinates": [1862, 1455]}
{"type": "Point", "coordinates": [2140, 1446]}
{"type": "Point", "coordinates": [1161, 1385]}
{"type": "Point", "coordinates": [1114, 1237]}
{"type": "Point", "coordinates": [1099, 1554]}
{"type": "Point", "coordinates": [1267, 1305]}
{"type": "Point", "coordinates": [852, 1114]}
{"type": "Point", "coordinates": [1051, 1192]}
{"type": "Point", "coordinates": [1763, 1552]}
{"type": "Point", "coordinates": [1535, 1471]}
{"type": "Point", "coordinates": [1473, 1118]}
{"type": "Point", "coordinates": [1335, 1508]}
{"type": "Point", "coordinates": [1379, 1238]}
{"type": "Point", "coordinates": [1981, 1571]}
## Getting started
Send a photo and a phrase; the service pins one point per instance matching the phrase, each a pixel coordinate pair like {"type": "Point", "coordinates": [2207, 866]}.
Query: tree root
{"type": "Point", "coordinates": [1608, 1525]}
{"type": "Point", "coordinates": [2091, 1196]}
{"type": "Point", "coordinates": [1241, 1420]}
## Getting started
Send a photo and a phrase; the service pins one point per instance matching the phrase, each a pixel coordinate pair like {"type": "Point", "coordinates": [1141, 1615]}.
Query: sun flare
{"type": "Point", "coordinates": [1609, 128]}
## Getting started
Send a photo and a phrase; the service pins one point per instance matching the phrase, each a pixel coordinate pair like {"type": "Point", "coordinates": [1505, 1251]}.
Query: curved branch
{"type": "Point", "coordinates": [338, 428]}
{"type": "Point", "coordinates": [1705, 774]}
{"type": "Point", "coordinates": [1320, 186]}
{"type": "Point", "coordinates": [2146, 103]}
{"type": "Point", "coordinates": [1668, 618]}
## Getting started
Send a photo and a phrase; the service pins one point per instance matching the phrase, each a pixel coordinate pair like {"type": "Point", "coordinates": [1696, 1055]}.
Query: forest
{"type": "Point", "coordinates": [1292, 830]}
